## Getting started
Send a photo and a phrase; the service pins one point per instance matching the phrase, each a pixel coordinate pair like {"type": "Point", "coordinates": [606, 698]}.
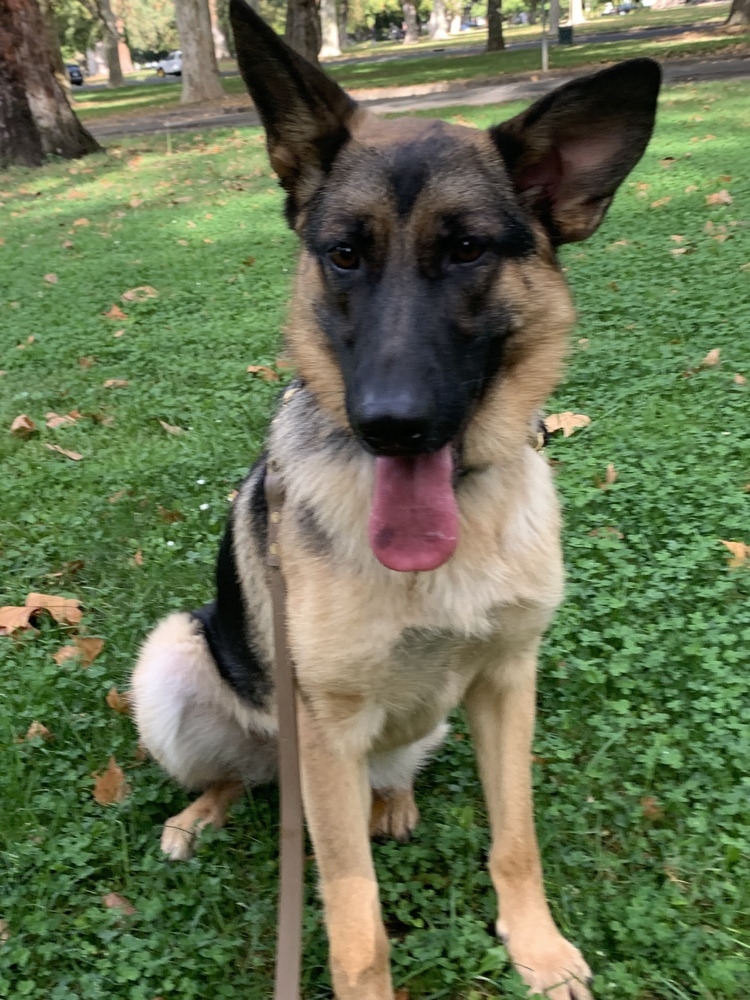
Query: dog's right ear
{"type": "Point", "coordinates": [304, 113]}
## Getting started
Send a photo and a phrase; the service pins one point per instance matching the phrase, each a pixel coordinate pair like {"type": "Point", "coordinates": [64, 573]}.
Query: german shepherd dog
{"type": "Point", "coordinates": [420, 532]}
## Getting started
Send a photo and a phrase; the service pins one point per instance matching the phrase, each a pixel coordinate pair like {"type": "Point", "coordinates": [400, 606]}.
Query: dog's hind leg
{"type": "Point", "coordinates": [197, 729]}
{"type": "Point", "coordinates": [501, 708]}
{"type": "Point", "coordinates": [394, 812]}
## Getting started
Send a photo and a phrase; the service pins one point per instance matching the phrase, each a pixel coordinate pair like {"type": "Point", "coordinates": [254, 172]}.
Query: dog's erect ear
{"type": "Point", "coordinates": [568, 153]}
{"type": "Point", "coordinates": [304, 113]}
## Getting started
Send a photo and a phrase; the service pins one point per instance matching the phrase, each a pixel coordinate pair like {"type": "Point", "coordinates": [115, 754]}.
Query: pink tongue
{"type": "Point", "coordinates": [414, 517]}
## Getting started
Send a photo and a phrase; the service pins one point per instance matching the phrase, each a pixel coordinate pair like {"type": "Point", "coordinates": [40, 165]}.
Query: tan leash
{"type": "Point", "coordinates": [291, 850]}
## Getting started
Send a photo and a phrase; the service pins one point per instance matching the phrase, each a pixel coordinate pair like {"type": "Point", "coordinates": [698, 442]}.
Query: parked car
{"type": "Point", "coordinates": [75, 74]}
{"type": "Point", "coordinates": [172, 65]}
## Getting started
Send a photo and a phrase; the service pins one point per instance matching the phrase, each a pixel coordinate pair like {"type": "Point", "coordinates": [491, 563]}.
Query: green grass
{"type": "Point", "coordinates": [642, 775]}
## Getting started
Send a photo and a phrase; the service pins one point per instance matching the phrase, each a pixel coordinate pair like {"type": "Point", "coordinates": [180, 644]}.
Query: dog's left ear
{"type": "Point", "coordinates": [304, 112]}
{"type": "Point", "coordinates": [568, 153]}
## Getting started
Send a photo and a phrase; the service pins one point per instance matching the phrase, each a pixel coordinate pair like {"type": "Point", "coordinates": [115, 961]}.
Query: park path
{"type": "Point", "coordinates": [416, 98]}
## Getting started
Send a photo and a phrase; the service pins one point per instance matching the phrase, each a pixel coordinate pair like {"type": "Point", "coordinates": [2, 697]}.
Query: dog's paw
{"type": "Point", "coordinates": [176, 841]}
{"type": "Point", "coordinates": [549, 965]}
{"type": "Point", "coordinates": [394, 814]}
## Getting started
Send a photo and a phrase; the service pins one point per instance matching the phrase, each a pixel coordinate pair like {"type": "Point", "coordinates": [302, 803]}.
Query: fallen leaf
{"type": "Point", "coordinates": [37, 729]}
{"type": "Point", "coordinates": [118, 333]}
{"type": "Point", "coordinates": [117, 496]}
{"type": "Point", "coordinates": [81, 222]}
{"type": "Point", "coordinates": [54, 420]}
{"type": "Point", "coordinates": [114, 901]}
{"type": "Point", "coordinates": [183, 243]}
{"type": "Point", "coordinates": [566, 422]}
{"type": "Point", "coordinates": [116, 383]}
{"type": "Point", "coordinates": [4, 931]}
{"type": "Point", "coordinates": [401, 995]}
{"type": "Point", "coordinates": [651, 808]}
{"type": "Point", "coordinates": [739, 379]}
{"type": "Point", "coordinates": [90, 648]}
{"type": "Point", "coordinates": [65, 653]}
{"type": "Point", "coordinates": [14, 619]}
{"type": "Point", "coordinates": [678, 239]}
{"type": "Point", "coordinates": [678, 251]}
{"type": "Point", "coordinates": [114, 312]}
{"type": "Point", "coordinates": [51, 279]}
{"type": "Point", "coordinates": [110, 786]}
{"type": "Point", "coordinates": [138, 558]}
{"type": "Point", "coordinates": [68, 568]}
{"type": "Point", "coordinates": [118, 701]}
{"type": "Point", "coordinates": [232, 496]}
{"type": "Point", "coordinates": [691, 189]}
{"type": "Point", "coordinates": [264, 372]}
{"type": "Point", "coordinates": [661, 202]}
{"type": "Point", "coordinates": [140, 294]}
{"type": "Point", "coordinates": [722, 197]}
{"type": "Point", "coordinates": [76, 456]}
{"type": "Point", "coordinates": [584, 343]}
{"type": "Point", "coordinates": [22, 426]}
{"type": "Point", "coordinates": [610, 475]}
{"type": "Point", "coordinates": [606, 532]}
{"type": "Point", "coordinates": [171, 428]}
{"type": "Point", "coordinates": [65, 610]}
{"type": "Point", "coordinates": [68, 244]}
{"type": "Point", "coordinates": [248, 261]}
{"type": "Point", "coordinates": [86, 362]}
{"type": "Point", "coordinates": [668, 161]}
{"type": "Point", "coordinates": [739, 551]}
{"type": "Point", "coordinates": [170, 516]}
{"type": "Point", "coordinates": [712, 358]}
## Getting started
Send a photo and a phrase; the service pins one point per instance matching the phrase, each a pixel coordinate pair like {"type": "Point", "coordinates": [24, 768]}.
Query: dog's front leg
{"type": "Point", "coordinates": [501, 708]}
{"type": "Point", "coordinates": [336, 793]}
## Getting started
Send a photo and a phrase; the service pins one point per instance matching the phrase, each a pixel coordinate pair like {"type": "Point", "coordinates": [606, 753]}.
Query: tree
{"type": "Point", "coordinates": [111, 42]}
{"type": "Point", "coordinates": [220, 41]}
{"type": "Point", "coordinates": [495, 40]}
{"type": "Point", "coordinates": [439, 21]}
{"type": "Point", "coordinates": [343, 15]}
{"type": "Point", "coordinates": [739, 14]}
{"type": "Point", "coordinates": [329, 29]}
{"type": "Point", "coordinates": [36, 119]}
{"type": "Point", "coordinates": [302, 30]}
{"type": "Point", "coordinates": [200, 71]}
{"type": "Point", "coordinates": [411, 22]}
{"type": "Point", "coordinates": [575, 15]}
{"type": "Point", "coordinates": [554, 16]}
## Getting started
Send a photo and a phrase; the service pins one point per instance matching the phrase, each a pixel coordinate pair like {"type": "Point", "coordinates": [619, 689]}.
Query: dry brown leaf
{"type": "Point", "coordinates": [118, 333]}
{"type": "Point", "coordinates": [68, 568]}
{"type": "Point", "coordinates": [51, 278]}
{"type": "Point", "coordinates": [65, 653]}
{"type": "Point", "coordinates": [138, 558]}
{"type": "Point", "coordinates": [110, 786]}
{"type": "Point", "coordinates": [114, 901]}
{"type": "Point", "coordinates": [13, 619]}
{"type": "Point", "coordinates": [54, 420]}
{"type": "Point", "coordinates": [118, 701]}
{"type": "Point", "coordinates": [712, 358]}
{"type": "Point", "coordinates": [566, 422]}
{"type": "Point", "coordinates": [140, 294]}
{"type": "Point", "coordinates": [37, 729]}
{"type": "Point", "coordinates": [264, 372]}
{"type": "Point", "coordinates": [89, 648]}
{"type": "Point", "coordinates": [248, 261]}
{"type": "Point", "coordinates": [584, 343]}
{"type": "Point", "coordinates": [117, 496]}
{"type": "Point", "coordinates": [402, 994]}
{"type": "Point", "coordinates": [171, 428]}
{"type": "Point", "coordinates": [691, 189]}
{"type": "Point", "coordinates": [722, 197]}
{"type": "Point", "coordinates": [231, 496]}
{"type": "Point", "coordinates": [651, 808]}
{"type": "Point", "coordinates": [739, 551]}
{"type": "Point", "coordinates": [81, 222]}
{"type": "Point", "coordinates": [87, 361]}
{"type": "Point", "coordinates": [68, 244]}
{"type": "Point", "coordinates": [4, 931]}
{"type": "Point", "coordinates": [65, 610]}
{"type": "Point", "coordinates": [678, 239]}
{"type": "Point", "coordinates": [661, 202]}
{"type": "Point", "coordinates": [116, 383]}
{"type": "Point", "coordinates": [114, 312]}
{"type": "Point", "coordinates": [22, 426]}
{"type": "Point", "coordinates": [739, 379]}
{"type": "Point", "coordinates": [611, 474]}
{"type": "Point", "coordinates": [668, 161]}
{"type": "Point", "coordinates": [170, 516]}
{"type": "Point", "coordinates": [76, 456]}
{"type": "Point", "coordinates": [606, 532]}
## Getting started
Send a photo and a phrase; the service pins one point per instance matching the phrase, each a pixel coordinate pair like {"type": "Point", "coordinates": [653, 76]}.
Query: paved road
{"type": "Point", "coordinates": [192, 119]}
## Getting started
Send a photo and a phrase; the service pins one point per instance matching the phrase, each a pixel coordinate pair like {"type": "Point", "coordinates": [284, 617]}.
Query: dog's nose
{"type": "Point", "coordinates": [393, 424]}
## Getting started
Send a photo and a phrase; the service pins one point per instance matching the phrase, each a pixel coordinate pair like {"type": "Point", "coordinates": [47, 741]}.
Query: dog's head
{"type": "Point", "coordinates": [430, 315]}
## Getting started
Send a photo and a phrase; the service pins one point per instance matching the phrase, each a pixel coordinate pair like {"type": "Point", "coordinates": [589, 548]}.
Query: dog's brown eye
{"type": "Point", "coordinates": [344, 257]}
{"type": "Point", "coordinates": [466, 251]}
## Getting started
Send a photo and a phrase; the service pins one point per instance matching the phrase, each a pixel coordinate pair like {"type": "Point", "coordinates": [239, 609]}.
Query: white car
{"type": "Point", "coordinates": [172, 65]}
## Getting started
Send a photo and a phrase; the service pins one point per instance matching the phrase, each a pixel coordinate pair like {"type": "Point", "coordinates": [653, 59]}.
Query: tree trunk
{"type": "Point", "coordinates": [439, 21]}
{"type": "Point", "coordinates": [576, 12]}
{"type": "Point", "coordinates": [35, 117]}
{"type": "Point", "coordinates": [200, 71]}
{"type": "Point", "coordinates": [123, 52]}
{"type": "Point", "coordinates": [303, 28]}
{"type": "Point", "coordinates": [495, 40]}
{"type": "Point", "coordinates": [410, 20]}
{"type": "Point", "coordinates": [343, 15]}
{"type": "Point", "coordinates": [329, 29]}
{"type": "Point", "coordinates": [739, 14]}
{"type": "Point", "coordinates": [221, 49]}
{"type": "Point", "coordinates": [111, 44]}
{"type": "Point", "coordinates": [554, 16]}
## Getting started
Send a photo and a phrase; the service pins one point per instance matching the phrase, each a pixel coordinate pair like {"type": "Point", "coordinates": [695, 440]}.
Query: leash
{"type": "Point", "coordinates": [291, 849]}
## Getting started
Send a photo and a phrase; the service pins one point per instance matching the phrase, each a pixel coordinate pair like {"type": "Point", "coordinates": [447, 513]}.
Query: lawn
{"type": "Point", "coordinates": [643, 739]}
